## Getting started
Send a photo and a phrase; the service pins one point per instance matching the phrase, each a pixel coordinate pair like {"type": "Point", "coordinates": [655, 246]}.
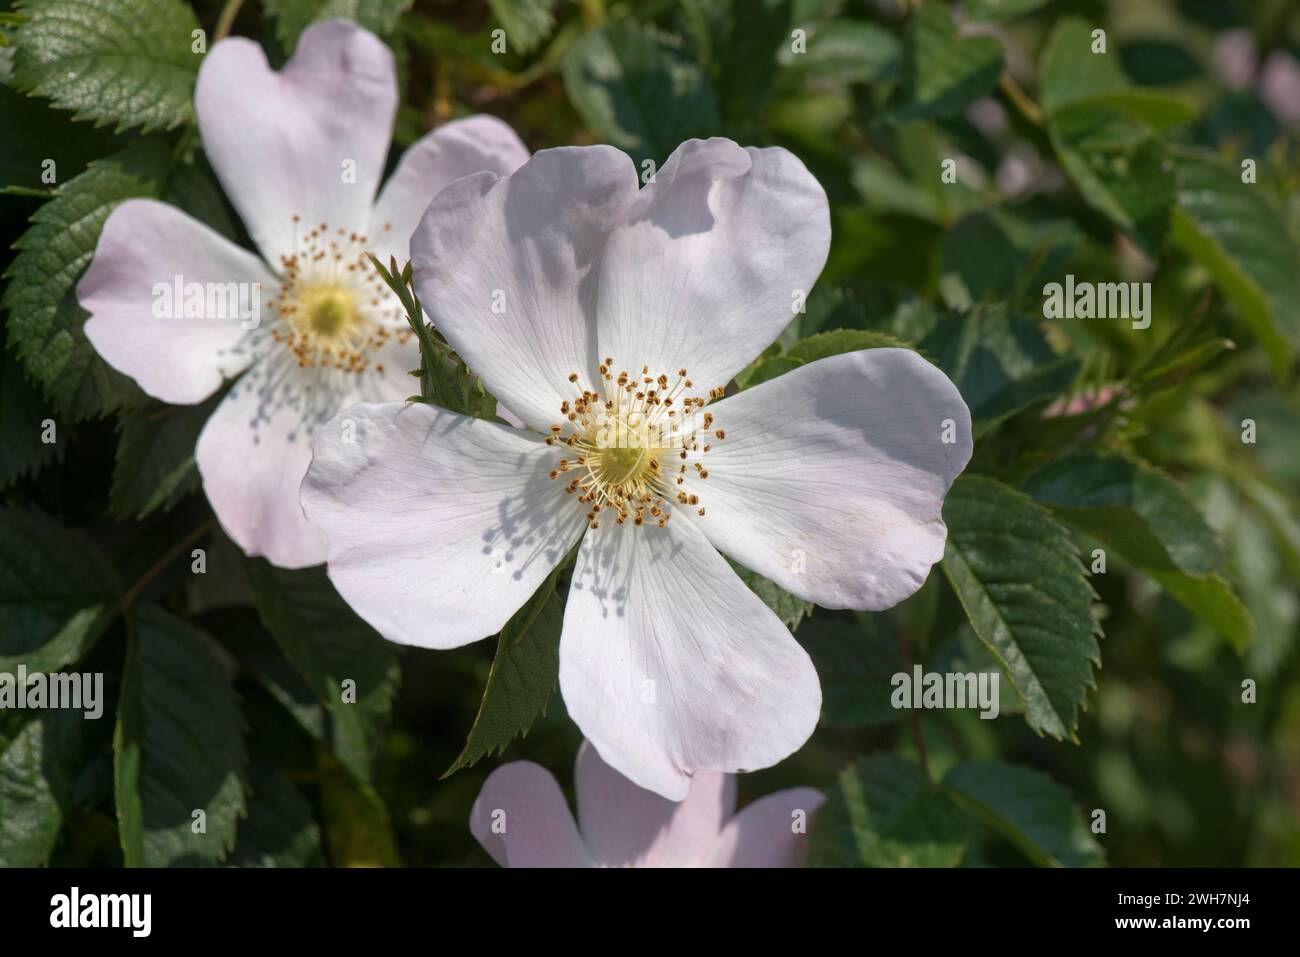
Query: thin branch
{"type": "Point", "coordinates": [914, 716]}
{"type": "Point", "coordinates": [1027, 107]}
{"type": "Point", "coordinates": [226, 21]}
{"type": "Point", "coordinates": [157, 567]}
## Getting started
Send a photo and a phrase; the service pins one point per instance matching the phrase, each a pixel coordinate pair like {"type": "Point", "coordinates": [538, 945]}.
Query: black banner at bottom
{"type": "Point", "coordinates": [334, 907]}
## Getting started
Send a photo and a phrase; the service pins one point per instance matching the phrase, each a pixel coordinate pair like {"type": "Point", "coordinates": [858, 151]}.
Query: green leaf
{"type": "Point", "coordinates": [633, 86]}
{"type": "Point", "coordinates": [1178, 356]}
{"type": "Point", "coordinates": [178, 747]}
{"type": "Point", "coordinates": [358, 829]}
{"type": "Point", "coordinates": [45, 321]}
{"type": "Point", "coordinates": [739, 45]}
{"type": "Point", "coordinates": [994, 255]}
{"type": "Point", "coordinates": [37, 768]}
{"type": "Point", "coordinates": [998, 10]}
{"type": "Point", "coordinates": [856, 657]}
{"type": "Point", "coordinates": [56, 591]}
{"type": "Point", "coordinates": [294, 16]}
{"type": "Point", "coordinates": [1027, 808]}
{"type": "Point", "coordinates": [838, 341]}
{"type": "Point", "coordinates": [943, 73]}
{"type": "Point", "coordinates": [884, 188]}
{"type": "Point", "coordinates": [1130, 507]}
{"type": "Point", "coordinates": [34, 132]}
{"type": "Point", "coordinates": [882, 812]}
{"type": "Point", "coordinates": [351, 670]}
{"type": "Point", "coordinates": [155, 458]}
{"type": "Point", "coordinates": [851, 51]}
{"type": "Point", "coordinates": [828, 309]}
{"type": "Point", "coordinates": [524, 673]}
{"type": "Point", "coordinates": [526, 22]}
{"type": "Point", "coordinates": [1235, 230]}
{"type": "Point", "coordinates": [127, 62]}
{"type": "Point", "coordinates": [1212, 599]}
{"type": "Point", "coordinates": [1121, 167]}
{"type": "Point", "coordinates": [789, 608]}
{"type": "Point", "coordinates": [1157, 109]}
{"type": "Point", "coordinates": [1105, 133]}
{"type": "Point", "coordinates": [240, 631]}
{"type": "Point", "coordinates": [1069, 72]}
{"type": "Point", "coordinates": [1016, 574]}
{"type": "Point", "coordinates": [281, 829]}
{"type": "Point", "coordinates": [821, 345]}
{"type": "Point", "coordinates": [445, 379]}
{"type": "Point", "coordinates": [1138, 507]}
{"type": "Point", "coordinates": [999, 361]}
{"type": "Point", "coordinates": [23, 410]}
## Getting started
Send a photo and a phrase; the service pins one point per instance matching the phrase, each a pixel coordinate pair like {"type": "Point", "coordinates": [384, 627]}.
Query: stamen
{"type": "Point", "coordinates": [623, 437]}
{"type": "Point", "coordinates": [331, 301]}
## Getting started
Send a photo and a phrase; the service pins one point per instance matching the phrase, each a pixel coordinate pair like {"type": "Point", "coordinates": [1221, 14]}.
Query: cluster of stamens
{"type": "Point", "coordinates": [631, 443]}
{"type": "Point", "coordinates": [334, 307]}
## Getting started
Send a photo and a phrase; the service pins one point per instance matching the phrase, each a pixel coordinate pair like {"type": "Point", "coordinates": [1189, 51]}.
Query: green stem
{"type": "Point", "coordinates": [1027, 107]}
{"type": "Point", "coordinates": [914, 715]}
{"type": "Point", "coordinates": [593, 12]}
{"type": "Point", "coordinates": [157, 567]}
{"type": "Point", "coordinates": [227, 19]}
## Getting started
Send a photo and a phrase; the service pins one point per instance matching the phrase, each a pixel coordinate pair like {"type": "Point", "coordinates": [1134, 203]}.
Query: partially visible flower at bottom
{"type": "Point", "coordinates": [522, 820]}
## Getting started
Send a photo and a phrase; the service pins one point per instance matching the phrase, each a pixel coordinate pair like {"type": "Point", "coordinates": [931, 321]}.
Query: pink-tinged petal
{"type": "Point", "coordinates": [436, 160]}
{"type": "Point", "coordinates": [669, 664]}
{"type": "Point", "coordinates": [307, 141]}
{"type": "Point", "coordinates": [252, 455]}
{"type": "Point", "coordinates": [770, 832]}
{"type": "Point", "coordinates": [1279, 86]}
{"type": "Point", "coordinates": [505, 267]}
{"type": "Point", "coordinates": [254, 451]}
{"type": "Point", "coordinates": [831, 478]}
{"type": "Point", "coordinates": [708, 266]}
{"type": "Point", "coordinates": [521, 819]}
{"type": "Point", "coordinates": [627, 826]}
{"type": "Point", "coordinates": [136, 322]}
{"type": "Point", "coordinates": [439, 526]}
{"type": "Point", "coordinates": [509, 417]}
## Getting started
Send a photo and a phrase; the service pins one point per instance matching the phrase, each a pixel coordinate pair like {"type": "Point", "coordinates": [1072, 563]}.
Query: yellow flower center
{"type": "Point", "coordinates": [328, 313]}
{"type": "Point", "coordinates": [633, 443]}
{"type": "Point", "coordinates": [335, 309]}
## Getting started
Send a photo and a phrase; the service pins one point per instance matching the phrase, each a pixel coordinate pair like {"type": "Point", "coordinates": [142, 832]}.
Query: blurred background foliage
{"type": "Point", "coordinates": [1122, 690]}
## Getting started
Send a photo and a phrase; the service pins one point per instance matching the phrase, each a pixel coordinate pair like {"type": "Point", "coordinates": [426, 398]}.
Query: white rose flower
{"type": "Point", "coordinates": [608, 318]}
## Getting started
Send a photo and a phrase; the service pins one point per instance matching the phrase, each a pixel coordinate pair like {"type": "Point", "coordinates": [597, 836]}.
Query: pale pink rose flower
{"type": "Point", "coordinates": [522, 820]}
{"type": "Point", "coordinates": [1234, 58]}
{"type": "Point", "coordinates": [300, 152]}
{"type": "Point", "coordinates": [1279, 86]}
{"type": "Point", "coordinates": [828, 480]}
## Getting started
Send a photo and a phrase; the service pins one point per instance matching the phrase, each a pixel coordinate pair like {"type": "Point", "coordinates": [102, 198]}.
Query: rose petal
{"type": "Point", "coordinates": [307, 141]}
{"type": "Point", "coordinates": [145, 248]}
{"type": "Point", "coordinates": [704, 270]}
{"type": "Point", "coordinates": [831, 478]}
{"type": "Point", "coordinates": [669, 664]}
{"type": "Point", "coordinates": [627, 826]}
{"type": "Point", "coordinates": [439, 526]}
{"type": "Point", "coordinates": [522, 820]}
{"type": "Point", "coordinates": [456, 149]}
{"type": "Point", "coordinates": [504, 267]}
{"type": "Point", "coordinates": [770, 832]}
